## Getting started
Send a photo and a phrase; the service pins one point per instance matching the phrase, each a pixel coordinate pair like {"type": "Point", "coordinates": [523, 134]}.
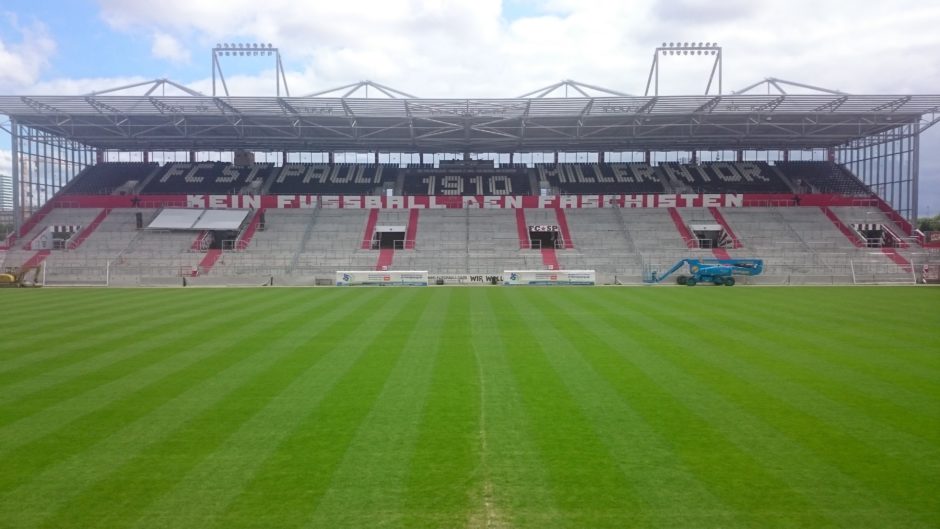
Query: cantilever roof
{"type": "Point", "coordinates": [736, 121]}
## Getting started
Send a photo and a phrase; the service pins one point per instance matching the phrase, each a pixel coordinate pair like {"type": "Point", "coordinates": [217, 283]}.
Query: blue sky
{"type": "Point", "coordinates": [481, 48]}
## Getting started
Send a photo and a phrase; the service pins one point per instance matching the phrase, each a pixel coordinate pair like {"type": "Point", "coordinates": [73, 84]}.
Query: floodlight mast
{"type": "Point", "coordinates": [247, 50]}
{"type": "Point", "coordinates": [685, 48]}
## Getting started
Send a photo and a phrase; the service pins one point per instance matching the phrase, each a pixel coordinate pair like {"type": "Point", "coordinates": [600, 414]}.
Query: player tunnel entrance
{"type": "Point", "coordinates": [544, 236]}
{"type": "Point", "coordinates": [711, 236]}
{"type": "Point", "coordinates": [877, 235]}
{"type": "Point", "coordinates": [388, 238]}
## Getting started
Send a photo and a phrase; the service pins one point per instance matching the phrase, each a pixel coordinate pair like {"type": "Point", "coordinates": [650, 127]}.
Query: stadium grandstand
{"type": "Point", "coordinates": [146, 189]}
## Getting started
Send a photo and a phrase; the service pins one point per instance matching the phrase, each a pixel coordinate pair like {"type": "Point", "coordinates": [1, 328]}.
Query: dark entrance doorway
{"type": "Point", "coordinates": [544, 236]}
{"type": "Point", "coordinates": [388, 240]}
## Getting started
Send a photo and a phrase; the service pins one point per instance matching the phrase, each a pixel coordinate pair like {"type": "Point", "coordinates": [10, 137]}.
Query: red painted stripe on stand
{"type": "Point", "coordinates": [848, 232]}
{"type": "Point", "coordinates": [522, 229]}
{"type": "Point", "coordinates": [249, 233]}
{"type": "Point", "coordinates": [721, 253]}
{"type": "Point", "coordinates": [724, 224]}
{"type": "Point", "coordinates": [901, 242]}
{"type": "Point", "coordinates": [386, 256]}
{"type": "Point", "coordinates": [197, 242]}
{"type": "Point", "coordinates": [30, 223]}
{"type": "Point", "coordinates": [370, 228]}
{"type": "Point", "coordinates": [899, 259]}
{"type": "Point", "coordinates": [563, 226]}
{"type": "Point", "coordinates": [412, 230]}
{"type": "Point", "coordinates": [86, 233]}
{"type": "Point", "coordinates": [208, 261]}
{"type": "Point", "coordinates": [683, 230]}
{"type": "Point", "coordinates": [36, 259]}
{"type": "Point", "coordinates": [550, 259]}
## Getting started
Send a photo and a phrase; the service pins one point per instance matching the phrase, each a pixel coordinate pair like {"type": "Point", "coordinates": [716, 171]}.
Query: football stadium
{"type": "Point", "coordinates": [363, 308]}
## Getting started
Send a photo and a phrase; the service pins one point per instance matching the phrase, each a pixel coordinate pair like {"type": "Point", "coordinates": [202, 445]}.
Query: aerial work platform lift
{"type": "Point", "coordinates": [717, 271]}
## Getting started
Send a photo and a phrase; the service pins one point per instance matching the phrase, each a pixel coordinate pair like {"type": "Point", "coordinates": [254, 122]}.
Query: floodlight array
{"type": "Point", "coordinates": [244, 49]}
{"type": "Point", "coordinates": [689, 48]}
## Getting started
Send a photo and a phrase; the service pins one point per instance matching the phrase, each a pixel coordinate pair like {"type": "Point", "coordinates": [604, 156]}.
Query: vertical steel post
{"type": "Point", "coordinates": [15, 160]}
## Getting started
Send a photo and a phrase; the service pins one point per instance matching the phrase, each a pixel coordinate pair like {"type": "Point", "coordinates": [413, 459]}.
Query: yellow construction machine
{"type": "Point", "coordinates": [21, 277]}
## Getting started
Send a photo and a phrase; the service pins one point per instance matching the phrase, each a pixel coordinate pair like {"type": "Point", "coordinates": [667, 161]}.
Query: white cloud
{"type": "Point", "coordinates": [84, 85]}
{"type": "Point", "coordinates": [467, 47]}
{"type": "Point", "coordinates": [22, 61]}
{"type": "Point", "coordinates": [168, 47]}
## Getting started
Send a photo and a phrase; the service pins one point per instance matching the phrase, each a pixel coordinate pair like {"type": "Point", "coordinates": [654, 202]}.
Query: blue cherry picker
{"type": "Point", "coordinates": [717, 271]}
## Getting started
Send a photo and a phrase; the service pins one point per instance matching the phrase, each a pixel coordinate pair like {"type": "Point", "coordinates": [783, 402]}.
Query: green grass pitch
{"type": "Point", "coordinates": [470, 407]}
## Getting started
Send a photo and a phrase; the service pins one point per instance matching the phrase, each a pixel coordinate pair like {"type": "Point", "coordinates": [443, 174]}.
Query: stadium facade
{"type": "Point", "coordinates": [825, 150]}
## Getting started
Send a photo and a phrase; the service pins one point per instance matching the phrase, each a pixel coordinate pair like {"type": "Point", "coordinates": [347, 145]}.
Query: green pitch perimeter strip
{"type": "Point", "coordinates": [459, 407]}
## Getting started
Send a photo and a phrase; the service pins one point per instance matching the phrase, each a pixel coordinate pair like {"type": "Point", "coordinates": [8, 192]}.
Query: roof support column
{"type": "Point", "coordinates": [192, 156]}
{"type": "Point", "coordinates": [15, 160]}
{"type": "Point", "coordinates": [331, 158]}
{"type": "Point", "coordinates": [915, 173]}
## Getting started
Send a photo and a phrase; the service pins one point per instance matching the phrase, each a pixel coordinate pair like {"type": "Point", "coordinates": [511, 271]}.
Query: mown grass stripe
{"type": "Point", "coordinates": [112, 360]}
{"type": "Point", "coordinates": [516, 489]}
{"type": "Point", "coordinates": [45, 348]}
{"type": "Point", "coordinates": [444, 471]}
{"type": "Point", "coordinates": [194, 391]}
{"type": "Point", "coordinates": [907, 478]}
{"type": "Point", "coordinates": [810, 351]}
{"type": "Point", "coordinates": [64, 312]}
{"type": "Point", "coordinates": [204, 493]}
{"type": "Point", "coordinates": [394, 424]}
{"type": "Point", "coordinates": [739, 480]}
{"type": "Point", "coordinates": [246, 430]}
{"type": "Point", "coordinates": [98, 349]}
{"type": "Point", "coordinates": [838, 495]}
{"type": "Point", "coordinates": [68, 428]}
{"type": "Point", "coordinates": [647, 458]}
{"type": "Point", "coordinates": [587, 486]}
{"type": "Point", "coordinates": [297, 474]}
{"type": "Point", "coordinates": [866, 403]}
{"type": "Point", "coordinates": [123, 496]}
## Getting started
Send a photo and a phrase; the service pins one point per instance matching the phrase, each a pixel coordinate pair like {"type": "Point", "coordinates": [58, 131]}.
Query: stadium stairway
{"type": "Point", "coordinates": [88, 230]}
{"type": "Point", "coordinates": [411, 232]}
{"type": "Point", "coordinates": [371, 222]}
{"type": "Point", "coordinates": [550, 259]}
{"type": "Point", "coordinates": [522, 229]}
{"type": "Point", "coordinates": [244, 239]}
{"type": "Point", "coordinates": [898, 259]}
{"type": "Point", "coordinates": [848, 232]}
{"type": "Point", "coordinates": [720, 219]}
{"type": "Point", "coordinates": [563, 227]}
{"type": "Point", "coordinates": [721, 253]}
{"type": "Point", "coordinates": [683, 230]}
{"type": "Point", "coordinates": [200, 239]}
{"type": "Point", "coordinates": [386, 257]}
{"type": "Point", "coordinates": [208, 261]}
{"type": "Point", "coordinates": [36, 259]}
